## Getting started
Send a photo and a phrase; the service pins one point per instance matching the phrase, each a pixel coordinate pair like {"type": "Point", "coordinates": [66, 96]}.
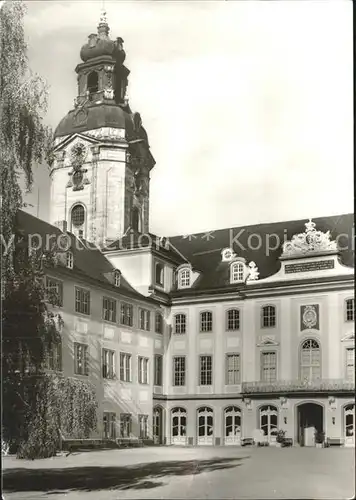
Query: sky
{"type": "Point", "coordinates": [248, 106]}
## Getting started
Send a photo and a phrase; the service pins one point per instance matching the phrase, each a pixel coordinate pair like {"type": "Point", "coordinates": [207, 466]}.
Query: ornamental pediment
{"type": "Point", "coordinates": [308, 243]}
{"type": "Point", "coordinates": [267, 340]}
{"type": "Point", "coordinates": [348, 337]}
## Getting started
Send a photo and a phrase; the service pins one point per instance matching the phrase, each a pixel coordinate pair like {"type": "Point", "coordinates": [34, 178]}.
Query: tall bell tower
{"type": "Point", "coordinates": [100, 175]}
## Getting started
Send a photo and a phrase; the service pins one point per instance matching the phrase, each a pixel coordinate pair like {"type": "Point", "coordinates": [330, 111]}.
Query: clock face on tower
{"type": "Point", "coordinates": [78, 153]}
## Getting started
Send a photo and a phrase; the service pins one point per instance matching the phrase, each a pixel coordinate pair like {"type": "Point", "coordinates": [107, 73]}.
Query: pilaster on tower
{"type": "Point", "coordinates": [101, 173]}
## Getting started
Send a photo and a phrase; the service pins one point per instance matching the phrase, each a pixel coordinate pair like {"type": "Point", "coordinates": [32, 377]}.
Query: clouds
{"type": "Point", "coordinates": [246, 103]}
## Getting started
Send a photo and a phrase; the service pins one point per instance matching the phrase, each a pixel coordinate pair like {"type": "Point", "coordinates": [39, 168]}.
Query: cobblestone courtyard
{"type": "Point", "coordinates": [169, 472]}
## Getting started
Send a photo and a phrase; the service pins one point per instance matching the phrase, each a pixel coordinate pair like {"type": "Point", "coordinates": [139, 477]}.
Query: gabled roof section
{"type": "Point", "coordinates": [89, 262]}
{"type": "Point", "coordinates": [68, 139]}
{"type": "Point", "coordinates": [260, 243]}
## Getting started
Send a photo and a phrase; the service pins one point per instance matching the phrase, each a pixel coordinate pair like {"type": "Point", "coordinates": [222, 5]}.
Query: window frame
{"type": "Point", "coordinates": [182, 324]}
{"type": "Point", "coordinates": [125, 424]}
{"type": "Point", "coordinates": [143, 370]}
{"type": "Point", "coordinates": [263, 316]}
{"type": "Point", "coordinates": [159, 324]}
{"type": "Point", "coordinates": [184, 278]}
{"type": "Point", "coordinates": [240, 265]}
{"type": "Point", "coordinates": [84, 371]}
{"type": "Point", "coordinates": [179, 373]}
{"type": "Point", "coordinates": [125, 367]}
{"type": "Point", "coordinates": [347, 364]}
{"type": "Point", "coordinates": [126, 307]}
{"type": "Point", "coordinates": [160, 281]}
{"type": "Point", "coordinates": [76, 300]}
{"type": "Point", "coordinates": [234, 371]}
{"type": "Point", "coordinates": [302, 367]}
{"type": "Point", "coordinates": [347, 310]}
{"type": "Point", "coordinates": [237, 320]}
{"type": "Point", "coordinates": [54, 352]}
{"type": "Point", "coordinates": [158, 370]}
{"type": "Point", "coordinates": [143, 429]}
{"type": "Point", "coordinates": [109, 425]}
{"type": "Point", "coordinates": [59, 293]}
{"type": "Point", "coordinates": [108, 368]}
{"type": "Point", "coordinates": [144, 318]}
{"type": "Point", "coordinates": [69, 260]}
{"type": "Point", "coordinates": [114, 310]}
{"type": "Point", "coordinates": [206, 321]}
{"type": "Point", "coordinates": [264, 368]}
{"type": "Point", "coordinates": [207, 372]}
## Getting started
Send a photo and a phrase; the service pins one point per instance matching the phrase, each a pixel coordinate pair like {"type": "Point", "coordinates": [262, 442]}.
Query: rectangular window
{"type": "Point", "coordinates": [268, 366]}
{"type": "Point", "coordinates": [350, 309]}
{"type": "Point", "coordinates": [81, 365]}
{"type": "Point", "coordinates": [205, 369]}
{"type": "Point", "coordinates": [350, 364]}
{"type": "Point", "coordinates": [158, 323]}
{"type": "Point", "coordinates": [143, 423]}
{"type": "Point", "coordinates": [180, 323]}
{"type": "Point", "coordinates": [126, 314]}
{"type": "Point", "coordinates": [108, 363]}
{"type": "Point", "coordinates": [82, 301]}
{"type": "Point", "coordinates": [109, 309]}
{"type": "Point", "coordinates": [158, 369]}
{"type": "Point", "coordinates": [232, 369]}
{"type": "Point", "coordinates": [109, 424]}
{"type": "Point", "coordinates": [179, 370]}
{"type": "Point", "coordinates": [233, 319]}
{"type": "Point", "coordinates": [206, 321]}
{"type": "Point", "coordinates": [125, 425]}
{"type": "Point", "coordinates": [53, 358]}
{"type": "Point", "coordinates": [145, 320]}
{"type": "Point", "coordinates": [268, 316]}
{"type": "Point", "coordinates": [142, 370]}
{"type": "Point", "coordinates": [125, 367]}
{"type": "Point", "coordinates": [54, 291]}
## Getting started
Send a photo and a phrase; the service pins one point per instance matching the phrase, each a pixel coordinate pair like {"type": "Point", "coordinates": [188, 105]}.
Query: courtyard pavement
{"type": "Point", "coordinates": [175, 472]}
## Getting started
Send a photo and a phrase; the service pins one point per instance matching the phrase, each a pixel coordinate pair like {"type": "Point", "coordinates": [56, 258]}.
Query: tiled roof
{"type": "Point", "coordinates": [89, 263]}
{"type": "Point", "coordinates": [203, 250]}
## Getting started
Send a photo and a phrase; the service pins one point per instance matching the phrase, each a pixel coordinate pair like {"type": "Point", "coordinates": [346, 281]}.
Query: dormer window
{"type": "Point", "coordinates": [69, 260]}
{"type": "Point", "coordinates": [159, 274]}
{"type": "Point", "coordinates": [184, 278]}
{"type": "Point", "coordinates": [117, 278]}
{"type": "Point", "coordinates": [237, 272]}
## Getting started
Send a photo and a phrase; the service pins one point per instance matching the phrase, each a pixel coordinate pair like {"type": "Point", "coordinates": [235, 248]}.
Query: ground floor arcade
{"type": "Point", "coordinates": [228, 422]}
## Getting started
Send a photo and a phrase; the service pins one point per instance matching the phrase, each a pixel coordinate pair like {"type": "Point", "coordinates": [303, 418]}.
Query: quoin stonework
{"type": "Point", "coordinates": [194, 339]}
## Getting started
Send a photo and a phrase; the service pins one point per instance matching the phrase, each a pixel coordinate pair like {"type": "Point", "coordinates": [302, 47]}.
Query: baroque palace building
{"type": "Point", "coordinates": [207, 339]}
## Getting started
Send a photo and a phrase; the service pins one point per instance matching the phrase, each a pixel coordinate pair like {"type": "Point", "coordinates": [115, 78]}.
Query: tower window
{"type": "Point", "coordinates": [78, 215]}
{"type": "Point", "coordinates": [135, 219]}
{"type": "Point", "coordinates": [93, 82]}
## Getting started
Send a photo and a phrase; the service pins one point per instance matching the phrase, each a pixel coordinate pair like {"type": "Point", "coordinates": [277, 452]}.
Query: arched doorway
{"type": "Point", "coordinates": [178, 426]}
{"type": "Point", "coordinates": [157, 425]}
{"type": "Point", "coordinates": [349, 425]}
{"type": "Point", "coordinates": [205, 426]}
{"type": "Point", "coordinates": [269, 422]}
{"type": "Point", "coordinates": [232, 425]}
{"type": "Point", "coordinates": [310, 419]}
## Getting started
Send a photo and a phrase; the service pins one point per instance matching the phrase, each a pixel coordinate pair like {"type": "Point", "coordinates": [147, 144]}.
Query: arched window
{"type": "Point", "coordinates": [77, 217]}
{"type": "Point", "coordinates": [237, 272]}
{"type": "Point", "coordinates": [69, 260]}
{"type": "Point", "coordinates": [232, 420]}
{"type": "Point", "coordinates": [178, 425]}
{"type": "Point", "coordinates": [159, 274]}
{"type": "Point", "coordinates": [310, 363]}
{"type": "Point", "coordinates": [135, 222]}
{"type": "Point", "coordinates": [205, 425]}
{"type": "Point", "coordinates": [232, 319]}
{"type": "Point", "coordinates": [206, 321]}
{"type": "Point", "coordinates": [184, 278]}
{"type": "Point", "coordinates": [268, 318]}
{"type": "Point", "coordinates": [269, 422]}
{"type": "Point", "coordinates": [158, 323]}
{"type": "Point", "coordinates": [93, 82]}
{"type": "Point", "coordinates": [349, 424]}
{"type": "Point", "coordinates": [180, 323]}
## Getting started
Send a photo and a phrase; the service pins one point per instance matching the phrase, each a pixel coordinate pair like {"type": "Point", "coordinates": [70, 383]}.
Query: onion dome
{"type": "Point", "coordinates": [100, 44]}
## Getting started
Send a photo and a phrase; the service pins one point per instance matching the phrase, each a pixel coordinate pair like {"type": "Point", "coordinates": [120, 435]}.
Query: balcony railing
{"type": "Point", "coordinates": [320, 385]}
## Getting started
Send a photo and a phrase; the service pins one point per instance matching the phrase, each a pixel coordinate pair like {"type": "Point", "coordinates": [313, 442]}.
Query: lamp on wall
{"type": "Point", "coordinates": [285, 420]}
{"type": "Point", "coordinates": [333, 420]}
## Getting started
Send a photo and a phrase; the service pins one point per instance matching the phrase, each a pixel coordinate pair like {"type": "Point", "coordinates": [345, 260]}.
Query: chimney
{"type": "Point", "coordinates": [62, 225]}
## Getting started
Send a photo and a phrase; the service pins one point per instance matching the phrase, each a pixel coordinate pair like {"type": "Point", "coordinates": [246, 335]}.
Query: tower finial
{"type": "Point", "coordinates": [103, 27]}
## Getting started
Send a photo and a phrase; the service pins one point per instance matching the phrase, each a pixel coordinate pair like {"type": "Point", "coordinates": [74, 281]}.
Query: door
{"type": "Point", "coordinates": [205, 426]}
{"type": "Point", "coordinates": [269, 423]}
{"type": "Point", "coordinates": [232, 419]}
{"type": "Point", "coordinates": [157, 425]}
{"type": "Point", "coordinates": [178, 426]}
{"type": "Point", "coordinates": [349, 425]}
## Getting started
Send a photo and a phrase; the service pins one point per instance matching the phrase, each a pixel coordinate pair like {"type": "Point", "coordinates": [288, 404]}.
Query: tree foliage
{"type": "Point", "coordinates": [35, 404]}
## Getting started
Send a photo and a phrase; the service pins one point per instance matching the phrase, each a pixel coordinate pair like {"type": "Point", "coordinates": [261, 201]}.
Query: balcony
{"type": "Point", "coordinates": [284, 386]}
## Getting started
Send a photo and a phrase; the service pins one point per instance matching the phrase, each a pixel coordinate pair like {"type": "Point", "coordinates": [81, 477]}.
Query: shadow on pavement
{"type": "Point", "coordinates": [139, 476]}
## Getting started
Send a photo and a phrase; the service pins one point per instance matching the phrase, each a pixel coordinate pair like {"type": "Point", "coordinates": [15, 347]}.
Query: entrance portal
{"type": "Point", "coordinates": [310, 420]}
